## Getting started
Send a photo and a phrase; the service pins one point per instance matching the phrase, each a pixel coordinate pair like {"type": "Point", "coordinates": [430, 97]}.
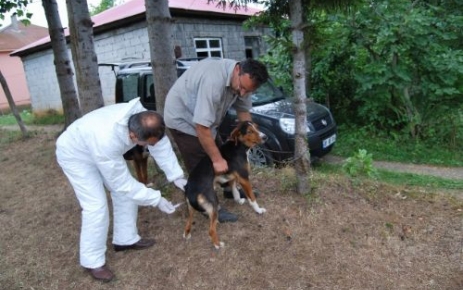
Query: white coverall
{"type": "Point", "coordinates": [90, 154]}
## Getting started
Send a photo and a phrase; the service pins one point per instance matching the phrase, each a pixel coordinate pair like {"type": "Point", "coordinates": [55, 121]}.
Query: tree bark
{"type": "Point", "coordinates": [63, 68]}
{"type": "Point", "coordinates": [84, 56]}
{"type": "Point", "coordinates": [159, 23]}
{"type": "Point", "coordinates": [12, 105]}
{"type": "Point", "coordinates": [302, 155]}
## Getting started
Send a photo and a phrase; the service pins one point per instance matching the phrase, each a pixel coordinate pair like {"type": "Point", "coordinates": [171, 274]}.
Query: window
{"type": "Point", "coordinates": [208, 47]}
{"type": "Point", "coordinates": [252, 47]}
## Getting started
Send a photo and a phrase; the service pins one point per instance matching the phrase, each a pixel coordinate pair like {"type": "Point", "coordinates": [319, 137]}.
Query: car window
{"type": "Point", "coordinates": [266, 93]}
{"type": "Point", "coordinates": [129, 86]}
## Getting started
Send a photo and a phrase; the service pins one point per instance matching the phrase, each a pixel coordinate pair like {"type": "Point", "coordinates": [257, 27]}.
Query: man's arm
{"type": "Point", "coordinates": [244, 116]}
{"type": "Point", "coordinates": [207, 141]}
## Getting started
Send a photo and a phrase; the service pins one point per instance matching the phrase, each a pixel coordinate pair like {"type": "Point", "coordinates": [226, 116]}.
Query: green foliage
{"type": "Point", "coordinates": [396, 68]}
{"type": "Point", "coordinates": [360, 164]}
{"type": "Point", "coordinates": [104, 5]}
{"type": "Point", "coordinates": [17, 6]}
{"type": "Point", "coordinates": [396, 147]}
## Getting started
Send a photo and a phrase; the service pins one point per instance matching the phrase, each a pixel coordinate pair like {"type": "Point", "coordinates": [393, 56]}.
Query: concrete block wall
{"type": "Point", "coordinates": [125, 43]}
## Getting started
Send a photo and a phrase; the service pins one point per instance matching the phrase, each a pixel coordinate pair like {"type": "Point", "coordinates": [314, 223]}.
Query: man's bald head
{"type": "Point", "coordinates": [146, 125]}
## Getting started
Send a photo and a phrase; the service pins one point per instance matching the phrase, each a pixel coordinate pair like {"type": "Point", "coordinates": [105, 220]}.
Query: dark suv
{"type": "Point", "coordinates": [272, 111]}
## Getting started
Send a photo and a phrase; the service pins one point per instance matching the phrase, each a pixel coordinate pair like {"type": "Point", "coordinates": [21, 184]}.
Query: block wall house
{"type": "Point", "coordinates": [120, 34]}
{"type": "Point", "coordinates": [12, 37]}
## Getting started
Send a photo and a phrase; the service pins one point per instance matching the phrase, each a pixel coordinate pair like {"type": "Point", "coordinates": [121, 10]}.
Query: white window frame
{"type": "Point", "coordinates": [209, 49]}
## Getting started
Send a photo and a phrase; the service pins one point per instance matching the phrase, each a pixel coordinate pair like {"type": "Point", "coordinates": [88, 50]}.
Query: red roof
{"type": "Point", "coordinates": [135, 7]}
{"type": "Point", "coordinates": [18, 35]}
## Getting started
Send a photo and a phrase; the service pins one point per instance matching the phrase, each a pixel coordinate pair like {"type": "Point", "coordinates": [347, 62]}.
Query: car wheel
{"type": "Point", "coordinates": [259, 156]}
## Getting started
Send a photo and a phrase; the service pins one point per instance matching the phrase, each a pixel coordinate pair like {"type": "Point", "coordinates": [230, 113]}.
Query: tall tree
{"type": "Point", "coordinates": [302, 155]}
{"type": "Point", "coordinates": [297, 12]}
{"type": "Point", "coordinates": [63, 68]}
{"type": "Point", "coordinates": [84, 56]}
{"type": "Point", "coordinates": [159, 22]}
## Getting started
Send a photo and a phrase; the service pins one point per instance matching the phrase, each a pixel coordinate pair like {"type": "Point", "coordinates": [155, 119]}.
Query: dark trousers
{"type": "Point", "coordinates": [190, 148]}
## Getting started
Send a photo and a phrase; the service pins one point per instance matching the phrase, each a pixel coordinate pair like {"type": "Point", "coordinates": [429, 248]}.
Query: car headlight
{"type": "Point", "coordinates": [288, 125]}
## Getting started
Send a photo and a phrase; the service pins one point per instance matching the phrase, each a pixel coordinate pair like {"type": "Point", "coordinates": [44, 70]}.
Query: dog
{"type": "Point", "coordinates": [139, 156]}
{"type": "Point", "coordinates": [200, 191]}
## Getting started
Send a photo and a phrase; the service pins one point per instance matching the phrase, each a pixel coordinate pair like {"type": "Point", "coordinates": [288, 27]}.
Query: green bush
{"type": "Point", "coordinates": [361, 164]}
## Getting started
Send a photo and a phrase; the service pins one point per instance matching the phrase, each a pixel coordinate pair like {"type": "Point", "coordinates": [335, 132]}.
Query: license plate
{"type": "Point", "coordinates": [328, 141]}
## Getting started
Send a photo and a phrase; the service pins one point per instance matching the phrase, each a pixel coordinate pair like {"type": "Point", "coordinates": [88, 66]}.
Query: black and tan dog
{"type": "Point", "coordinates": [200, 190]}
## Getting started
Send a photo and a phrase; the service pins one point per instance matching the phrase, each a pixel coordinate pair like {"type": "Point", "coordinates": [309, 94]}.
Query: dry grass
{"type": "Point", "coordinates": [343, 236]}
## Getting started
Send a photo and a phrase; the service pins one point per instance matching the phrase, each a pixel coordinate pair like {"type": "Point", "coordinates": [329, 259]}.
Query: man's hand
{"type": "Point", "coordinates": [166, 206]}
{"type": "Point", "coordinates": [220, 166]}
{"type": "Point", "coordinates": [211, 149]}
{"type": "Point", "coordinates": [180, 183]}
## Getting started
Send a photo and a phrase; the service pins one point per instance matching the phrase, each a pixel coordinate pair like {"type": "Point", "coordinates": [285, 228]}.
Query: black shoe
{"type": "Point", "coordinates": [140, 245]}
{"type": "Point", "coordinates": [226, 216]}
{"type": "Point", "coordinates": [227, 193]}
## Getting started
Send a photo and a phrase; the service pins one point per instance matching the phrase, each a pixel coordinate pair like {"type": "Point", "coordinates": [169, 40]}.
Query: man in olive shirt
{"type": "Point", "coordinates": [198, 101]}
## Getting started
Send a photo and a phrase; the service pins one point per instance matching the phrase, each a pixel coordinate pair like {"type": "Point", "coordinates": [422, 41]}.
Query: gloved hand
{"type": "Point", "coordinates": [180, 183]}
{"type": "Point", "coordinates": [166, 206]}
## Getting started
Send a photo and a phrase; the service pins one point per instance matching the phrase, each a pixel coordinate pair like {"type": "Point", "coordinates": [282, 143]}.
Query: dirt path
{"type": "Point", "coordinates": [438, 171]}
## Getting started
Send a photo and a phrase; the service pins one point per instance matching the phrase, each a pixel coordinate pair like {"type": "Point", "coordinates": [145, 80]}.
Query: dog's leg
{"type": "Point", "coordinates": [247, 188]}
{"type": "Point", "coordinates": [236, 192]}
{"type": "Point", "coordinates": [189, 222]}
{"type": "Point", "coordinates": [141, 168]}
{"type": "Point", "coordinates": [214, 219]}
{"type": "Point", "coordinates": [143, 163]}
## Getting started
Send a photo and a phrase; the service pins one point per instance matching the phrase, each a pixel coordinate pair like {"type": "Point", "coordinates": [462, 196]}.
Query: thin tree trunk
{"type": "Point", "coordinates": [159, 23]}
{"type": "Point", "coordinates": [63, 68]}
{"type": "Point", "coordinates": [302, 156]}
{"type": "Point", "coordinates": [13, 108]}
{"type": "Point", "coordinates": [84, 56]}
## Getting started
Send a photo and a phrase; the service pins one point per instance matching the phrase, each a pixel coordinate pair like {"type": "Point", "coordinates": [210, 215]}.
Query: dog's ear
{"type": "Point", "coordinates": [244, 127]}
{"type": "Point", "coordinates": [235, 134]}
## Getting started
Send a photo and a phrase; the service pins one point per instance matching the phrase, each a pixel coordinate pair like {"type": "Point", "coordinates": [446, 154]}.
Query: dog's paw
{"type": "Point", "coordinates": [187, 236]}
{"type": "Point", "coordinates": [240, 200]}
{"type": "Point", "coordinates": [261, 210]}
{"type": "Point", "coordinates": [220, 245]}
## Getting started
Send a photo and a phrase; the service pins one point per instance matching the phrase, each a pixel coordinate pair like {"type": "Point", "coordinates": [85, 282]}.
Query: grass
{"type": "Point", "coordinates": [397, 149]}
{"type": "Point", "coordinates": [400, 178]}
{"type": "Point", "coordinates": [51, 118]}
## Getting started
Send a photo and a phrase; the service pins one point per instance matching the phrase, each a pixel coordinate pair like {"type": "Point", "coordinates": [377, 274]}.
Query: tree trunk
{"type": "Point", "coordinates": [13, 108]}
{"type": "Point", "coordinates": [159, 23]}
{"type": "Point", "coordinates": [84, 56]}
{"type": "Point", "coordinates": [302, 156]}
{"type": "Point", "coordinates": [63, 68]}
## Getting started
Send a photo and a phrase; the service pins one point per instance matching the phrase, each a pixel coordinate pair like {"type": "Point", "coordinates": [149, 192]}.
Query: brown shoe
{"type": "Point", "coordinates": [102, 273]}
{"type": "Point", "coordinates": [140, 245]}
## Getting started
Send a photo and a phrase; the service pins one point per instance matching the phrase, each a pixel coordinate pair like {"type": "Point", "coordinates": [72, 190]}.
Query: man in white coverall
{"type": "Point", "coordinates": [90, 152]}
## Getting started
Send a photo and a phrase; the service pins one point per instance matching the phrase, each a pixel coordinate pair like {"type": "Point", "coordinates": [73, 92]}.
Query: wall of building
{"type": "Point", "coordinates": [12, 70]}
{"type": "Point", "coordinates": [129, 43]}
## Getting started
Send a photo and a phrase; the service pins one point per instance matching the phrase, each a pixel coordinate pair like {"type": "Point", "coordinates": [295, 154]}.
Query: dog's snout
{"type": "Point", "coordinates": [263, 137]}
